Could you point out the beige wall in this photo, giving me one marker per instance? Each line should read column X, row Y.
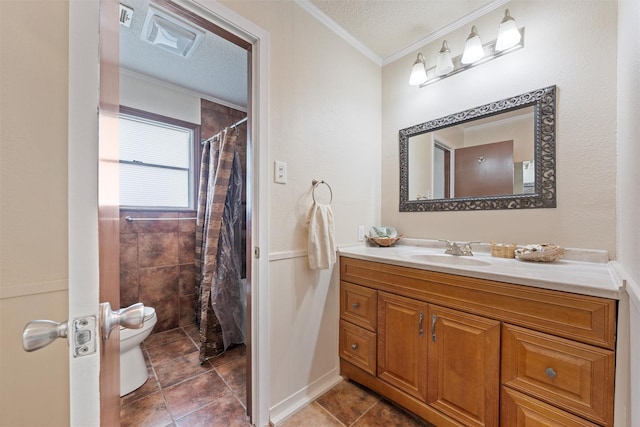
column 324, row 122
column 571, row 44
column 33, row 213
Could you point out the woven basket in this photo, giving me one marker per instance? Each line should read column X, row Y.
column 503, row 250
column 383, row 241
column 540, row 253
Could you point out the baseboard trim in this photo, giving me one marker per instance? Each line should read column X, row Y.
column 297, row 401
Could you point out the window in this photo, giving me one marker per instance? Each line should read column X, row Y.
column 157, row 169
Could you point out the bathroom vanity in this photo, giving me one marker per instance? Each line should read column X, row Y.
column 480, row 341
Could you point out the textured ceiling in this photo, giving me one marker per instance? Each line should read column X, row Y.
column 218, row 68
column 388, row 26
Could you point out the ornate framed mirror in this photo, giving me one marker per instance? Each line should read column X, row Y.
column 500, row 155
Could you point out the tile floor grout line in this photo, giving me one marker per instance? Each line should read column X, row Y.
column 200, row 407
column 166, row 405
column 329, row 412
column 183, row 380
column 223, row 379
column 191, row 338
column 378, row 400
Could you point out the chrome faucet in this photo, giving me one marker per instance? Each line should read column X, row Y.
column 458, row 249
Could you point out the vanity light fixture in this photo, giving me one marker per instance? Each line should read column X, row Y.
column 473, row 50
column 510, row 38
column 418, row 71
column 444, row 64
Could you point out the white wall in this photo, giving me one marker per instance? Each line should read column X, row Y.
column 159, row 98
column 568, row 43
column 628, row 201
column 324, row 122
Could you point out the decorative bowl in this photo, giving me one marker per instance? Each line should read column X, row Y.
column 543, row 252
column 383, row 241
column 383, row 232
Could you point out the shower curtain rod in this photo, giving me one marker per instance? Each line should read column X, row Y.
column 236, row 124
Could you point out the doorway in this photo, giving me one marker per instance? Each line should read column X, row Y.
column 169, row 90
column 92, row 26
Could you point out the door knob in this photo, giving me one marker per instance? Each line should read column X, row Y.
column 41, row 333
column 131, row 317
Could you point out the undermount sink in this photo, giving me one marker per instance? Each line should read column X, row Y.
column 448, row 259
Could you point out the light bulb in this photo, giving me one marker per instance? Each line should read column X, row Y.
column 444, row 64
column 473, row 50
column 508, row 34
column 418, row 71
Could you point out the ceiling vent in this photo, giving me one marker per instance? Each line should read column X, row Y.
column 169, row 33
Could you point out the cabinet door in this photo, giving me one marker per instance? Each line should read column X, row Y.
column 464, row 364
column 402, row 343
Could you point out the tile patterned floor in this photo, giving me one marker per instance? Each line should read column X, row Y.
column 181, row 392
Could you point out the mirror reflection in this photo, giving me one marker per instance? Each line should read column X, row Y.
column 486, row 157
column 499, row 155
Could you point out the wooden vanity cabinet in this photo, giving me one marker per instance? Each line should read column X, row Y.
column 461, row 351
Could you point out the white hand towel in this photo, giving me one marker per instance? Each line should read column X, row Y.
column 322, row 247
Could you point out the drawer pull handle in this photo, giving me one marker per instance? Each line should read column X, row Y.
column 551, row 373
column 420, row 323
column 354, row 346
column 434, row 319
column 355, row 305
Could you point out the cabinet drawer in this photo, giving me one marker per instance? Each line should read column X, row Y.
column 574, row 376
column 359, row 305
column 358, row 346
column 519, row 410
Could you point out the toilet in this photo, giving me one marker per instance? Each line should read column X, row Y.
column 133, row 369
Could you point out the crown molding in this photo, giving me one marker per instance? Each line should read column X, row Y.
column 465, row 20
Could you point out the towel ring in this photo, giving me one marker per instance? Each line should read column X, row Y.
column 315, row 184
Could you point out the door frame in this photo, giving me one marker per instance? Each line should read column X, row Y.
column 84, row 98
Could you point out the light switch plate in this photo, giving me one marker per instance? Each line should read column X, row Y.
column 280, row 172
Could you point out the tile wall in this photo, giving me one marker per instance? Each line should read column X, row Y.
column 157, row 265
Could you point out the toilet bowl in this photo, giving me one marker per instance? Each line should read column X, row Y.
column 133, row 369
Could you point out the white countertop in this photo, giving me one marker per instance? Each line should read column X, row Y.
column 587, row 272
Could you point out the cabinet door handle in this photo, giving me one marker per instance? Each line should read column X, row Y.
column 354, row 346
column 551, row 373
column 434, row 319
column 355, row 305
column 420, row 323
